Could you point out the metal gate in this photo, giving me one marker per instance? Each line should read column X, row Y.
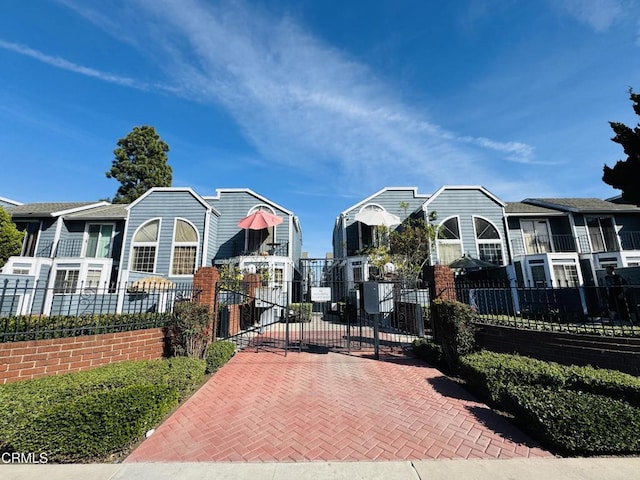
column 319, row 311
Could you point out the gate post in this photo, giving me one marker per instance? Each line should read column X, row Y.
column 205, row 282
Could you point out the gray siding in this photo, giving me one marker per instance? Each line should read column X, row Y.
column 166, row 206
column 234, row 206
column 391, row 201
column 467, row 204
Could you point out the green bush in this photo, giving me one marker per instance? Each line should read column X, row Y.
column 429, row 351
column 300, row 312
column 454, row 329
column 490, row 373
column 191, row 329
column 91, row 414
column 218, row 354
column 577, row 423
column 21, row 328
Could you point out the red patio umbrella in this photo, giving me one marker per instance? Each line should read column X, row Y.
column 259, row 220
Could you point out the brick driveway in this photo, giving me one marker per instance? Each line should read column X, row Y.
column 264, row 407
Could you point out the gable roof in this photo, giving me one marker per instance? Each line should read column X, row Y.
column 51, row 209
column 9, row 201
column 220, row 191
column 581, row 205
column 526, row 209
column 106, row 212
column 413, row 190
column 188, row 190
column 466, row 187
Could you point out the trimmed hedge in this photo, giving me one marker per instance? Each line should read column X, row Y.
column 21, row 328
column 428, row 351
column 300, row 312
column 575, row 422
column 490, row 373
column 575, row 410
column 219, row 353
column 454, row 328
column 89, row 415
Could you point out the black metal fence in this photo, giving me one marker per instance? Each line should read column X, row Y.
column 29, row 311
column 311, row 316
column 583, row 309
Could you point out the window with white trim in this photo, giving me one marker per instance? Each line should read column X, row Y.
column 66, row 281
column 144, row 247
column 566, row 275
column 185, row 248
column 99, row 240
column 449, row 241
column 488, row 240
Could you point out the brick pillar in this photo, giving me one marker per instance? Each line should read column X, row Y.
column 441, row 282
column 205, row 281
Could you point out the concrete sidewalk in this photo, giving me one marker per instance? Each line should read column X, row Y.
column 511, row 469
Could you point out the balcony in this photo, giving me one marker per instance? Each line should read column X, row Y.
column 280, row 249
column 592, row 243
column 70, row 248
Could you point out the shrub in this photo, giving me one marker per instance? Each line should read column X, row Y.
column 96, row 424
column 300, row 312
column 218, row 354
column 454, row 329
column 191, row 329
column 83, row 415
column 576, row 422
column 429, row 351
column 489, row 373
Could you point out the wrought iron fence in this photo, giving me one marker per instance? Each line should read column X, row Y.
column 320, row 314
column 30, row 311
column 579, row 309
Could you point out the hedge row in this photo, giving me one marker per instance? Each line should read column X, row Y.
column 92, row 414
column 491, row 372
column 21, row 328
column 218, row 354
column 574, row 410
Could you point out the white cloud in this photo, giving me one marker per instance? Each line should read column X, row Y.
column 297, row 99
column 599, row 14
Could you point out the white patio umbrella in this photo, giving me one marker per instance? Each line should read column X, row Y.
column 373, row 217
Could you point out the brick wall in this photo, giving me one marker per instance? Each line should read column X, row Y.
column 617, row 353
column 31, row 359
column 441, row 282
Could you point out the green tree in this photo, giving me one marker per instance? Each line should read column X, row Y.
column 625, row 174
column 10, row 237
column 408, row 248
column 140, row 163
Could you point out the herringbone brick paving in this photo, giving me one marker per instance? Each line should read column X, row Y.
column 265, row 407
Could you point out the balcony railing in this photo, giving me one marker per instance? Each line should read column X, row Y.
column 63, row 249
column 280, row 249
column 593, row 243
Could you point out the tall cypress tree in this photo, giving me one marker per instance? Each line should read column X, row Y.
column 140, row 163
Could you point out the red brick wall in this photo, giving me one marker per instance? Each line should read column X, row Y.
column 31, row 359
column 441, row 282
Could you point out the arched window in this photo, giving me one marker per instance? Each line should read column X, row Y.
column 185, row 248
column 488, row 240
column 144, row 247
column 449, row 241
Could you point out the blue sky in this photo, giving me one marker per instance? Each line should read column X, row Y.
column 318, row 104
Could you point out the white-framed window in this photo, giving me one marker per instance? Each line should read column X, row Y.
column 66, row 280
column 98, row 240
column 488, row 241
column 94, row 276
column 144, row 247
column 602, row 234
column 536, row 236
column 566, row 275
column 185, row 248
column 278, row 276
column 449, row 241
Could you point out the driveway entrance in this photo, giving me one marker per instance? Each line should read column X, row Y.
column 268, row 407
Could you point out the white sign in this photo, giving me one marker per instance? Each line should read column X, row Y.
column 320, row 294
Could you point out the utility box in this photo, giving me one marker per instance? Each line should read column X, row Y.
column 377, row 297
